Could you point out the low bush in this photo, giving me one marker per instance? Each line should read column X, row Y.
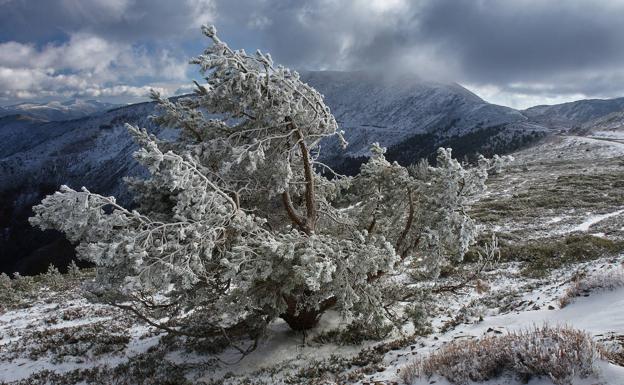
column 23, row 291
column 540, row 256
column 584, row 284
column 559, row 353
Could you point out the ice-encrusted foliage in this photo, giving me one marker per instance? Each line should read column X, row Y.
column 235, row 226
column 421, row 210
column 266, row 114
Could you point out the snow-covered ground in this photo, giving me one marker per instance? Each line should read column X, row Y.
column 564, row 185
column 593, row 219
column 615, row 135
column 561, row 191
column 601, row 314
column 281, row 353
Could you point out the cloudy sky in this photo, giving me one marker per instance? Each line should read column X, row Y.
column 512, row 52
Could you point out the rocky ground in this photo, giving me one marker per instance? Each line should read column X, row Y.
column 558, row 212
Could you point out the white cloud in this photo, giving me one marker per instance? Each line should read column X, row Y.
column 86, row 65
column 108, row 47
column 382, row 6
column 258, row 22
column 521, row 100
column 202, row 12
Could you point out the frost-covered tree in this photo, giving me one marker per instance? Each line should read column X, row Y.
column 236, row 226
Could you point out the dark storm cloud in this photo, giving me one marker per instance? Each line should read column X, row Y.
column 535, row 47
column 520, row 40
column 320, row 33
column 128, row 20
column 484, row 35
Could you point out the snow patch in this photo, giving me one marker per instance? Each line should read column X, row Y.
column 592, row 220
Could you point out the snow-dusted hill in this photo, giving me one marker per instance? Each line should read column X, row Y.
column 413, row 117
column 57, row 111
column 36, row 157
column 389, row 110
column 611, row 126
column 409, row 116
column 93, row 151
column 18, row 132
column 574, row 114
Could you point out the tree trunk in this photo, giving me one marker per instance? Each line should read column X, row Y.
column 308, row 223
column 306, row 318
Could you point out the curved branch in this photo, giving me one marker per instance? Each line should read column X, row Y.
column 408, row 225
column 292, row 213
column 310, row 198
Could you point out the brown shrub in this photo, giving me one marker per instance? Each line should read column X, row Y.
column 559, row 353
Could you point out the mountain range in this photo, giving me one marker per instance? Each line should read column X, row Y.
column 85, row 143
column 574, row 115
column 55, row 110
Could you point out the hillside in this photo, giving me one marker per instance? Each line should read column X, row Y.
column 391, row 110
column 36, row 158
column 409, row 116
column 573, row 115
column 412, row 118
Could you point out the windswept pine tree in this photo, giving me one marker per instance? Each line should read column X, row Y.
column 239, row 224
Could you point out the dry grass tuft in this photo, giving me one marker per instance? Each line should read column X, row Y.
column 584, row 284
column 559, row 353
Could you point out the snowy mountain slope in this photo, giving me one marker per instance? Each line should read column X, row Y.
column 35, row 159
column 371, row 108
column 563, row 184
column 389, row 112
column 75, row 151
column 609, row 127
column 574, row 114
column 57, row 111
column 17, row 133
column 409, row 116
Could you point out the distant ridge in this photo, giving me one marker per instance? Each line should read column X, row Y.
column 572, row 115
column 57, row 111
